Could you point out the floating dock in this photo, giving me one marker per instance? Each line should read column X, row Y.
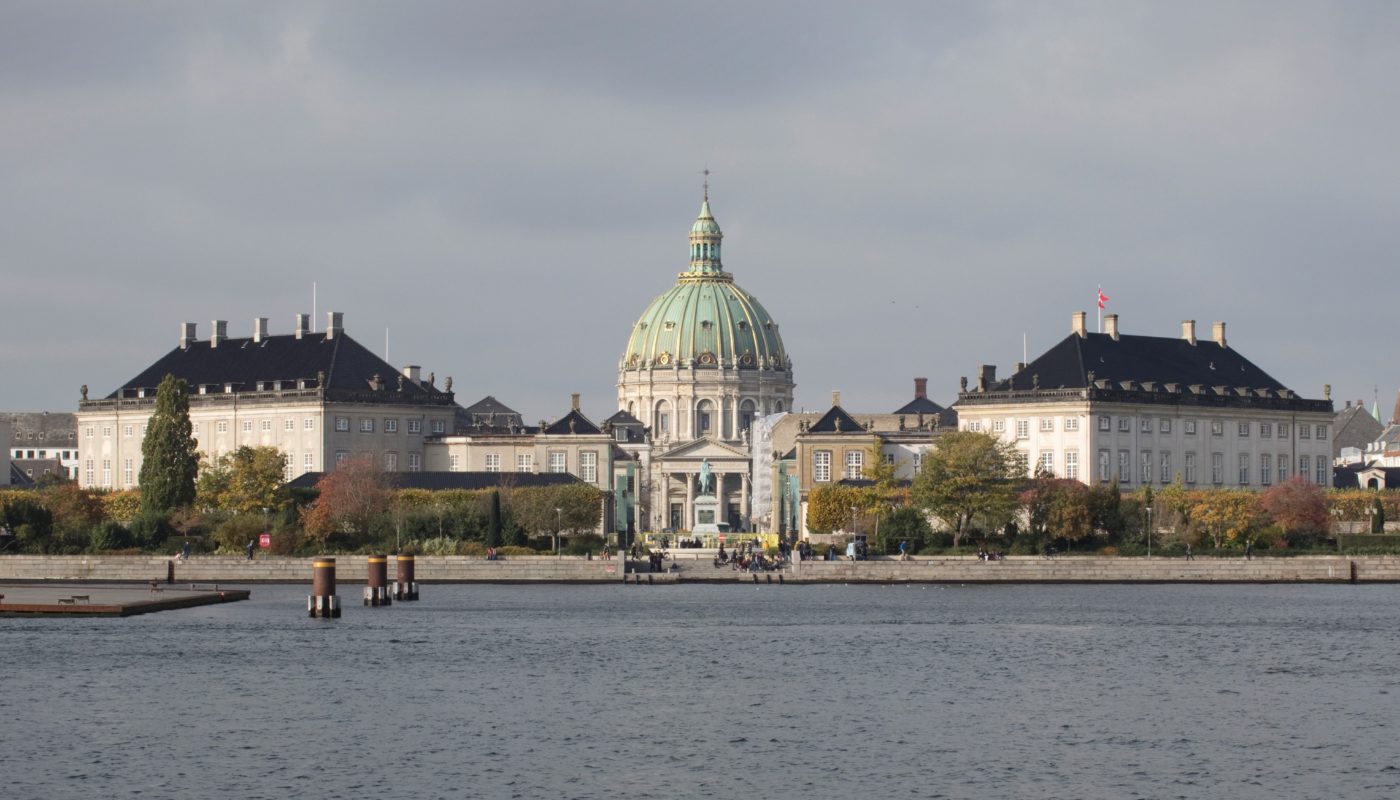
column 89, row 600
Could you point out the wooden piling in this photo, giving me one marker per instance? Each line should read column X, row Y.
column 377, row 581
column 404, row 586
column 323, row 601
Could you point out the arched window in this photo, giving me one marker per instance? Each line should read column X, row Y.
column 662, row 421
column 704, row 418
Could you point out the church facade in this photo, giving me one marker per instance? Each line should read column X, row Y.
column 702, row 363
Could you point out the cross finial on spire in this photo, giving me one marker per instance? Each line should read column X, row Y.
column 706, row 173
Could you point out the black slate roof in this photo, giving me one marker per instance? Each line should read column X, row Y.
column 490, row 405
column 439, row 481
column 347, row 365
column 836, row 420
column 1354, row 427
column 920, row 405
column 580, row 425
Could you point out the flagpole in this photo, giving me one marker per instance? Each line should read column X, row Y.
column 1099, row 303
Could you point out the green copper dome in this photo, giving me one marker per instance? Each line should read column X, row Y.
column 705, row 320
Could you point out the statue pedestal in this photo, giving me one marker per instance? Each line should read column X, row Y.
column 706, row 514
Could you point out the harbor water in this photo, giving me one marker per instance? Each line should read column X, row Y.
column 729, row 691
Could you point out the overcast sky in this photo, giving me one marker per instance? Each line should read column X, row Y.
column 907, row 188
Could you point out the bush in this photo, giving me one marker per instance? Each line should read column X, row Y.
column 149, row 531
column 582, row 544
column 513, row 550
column 233, row 534
column 438, row 546
column 109, row 536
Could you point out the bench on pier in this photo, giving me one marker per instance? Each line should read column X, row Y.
column 67, row 601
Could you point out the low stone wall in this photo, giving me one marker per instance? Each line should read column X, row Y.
column 548, row 569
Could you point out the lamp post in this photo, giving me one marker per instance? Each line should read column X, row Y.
column 558, row 523
column 267, row 530
column 1149, row 531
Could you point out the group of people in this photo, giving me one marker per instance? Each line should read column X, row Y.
column 748, row 558
column 983, row 554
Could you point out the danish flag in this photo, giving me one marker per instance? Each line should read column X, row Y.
column 1103, row 298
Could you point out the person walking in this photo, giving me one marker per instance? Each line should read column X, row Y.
column 1248, row 549
column 1189, row 557
column 249, row 549
column 185, row 551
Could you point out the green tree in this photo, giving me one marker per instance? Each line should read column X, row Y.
column 829, row 508
column 169, row 459
column 493, row 521
column 1058, row 508
column 1227, row 515
column 245, row 481
column 967, row 477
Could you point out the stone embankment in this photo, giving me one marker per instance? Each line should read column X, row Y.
column 548, row 569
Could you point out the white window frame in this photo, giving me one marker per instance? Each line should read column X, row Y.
column 1188, row 467
column 1046, row 462
column 493, row 462
column 1072, row 463
column 1105, row 422
column 391, row 425
column 1023, row 429
column 367, row 425
column 415, row 426
column 558, row 462
column 1047, row 424
column 524, row 462
column 342, row 424
column 821, row 466
column 855, row 465
column 588, row 466
column 1071, row 424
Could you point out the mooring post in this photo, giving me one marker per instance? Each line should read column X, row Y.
column 377, row 581
column 323, row 601
column 404, row 587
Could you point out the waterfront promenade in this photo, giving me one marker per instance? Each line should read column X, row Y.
column 694, row 567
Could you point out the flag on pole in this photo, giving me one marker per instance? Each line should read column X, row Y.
column 1103, row 298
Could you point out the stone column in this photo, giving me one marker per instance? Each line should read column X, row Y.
column 722, row 509
column 744, row 498
column 734, row 432
column 689, row 513
column 665, row 499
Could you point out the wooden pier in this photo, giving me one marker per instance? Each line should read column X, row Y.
column 89, row 600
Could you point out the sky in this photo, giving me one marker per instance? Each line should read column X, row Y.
column 910, row 189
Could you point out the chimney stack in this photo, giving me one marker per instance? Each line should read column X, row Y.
column 920, row 388
column 411, row 372
column 335, row 324
column 1077, row 324
column 1188, row 331
column 987, row 377
column 301, row 326
column 259, row 329
column 573, row 401
column 836, row 398
column 1217, row 332
column 220, row 332
column 1110, row 326
column 187, row 335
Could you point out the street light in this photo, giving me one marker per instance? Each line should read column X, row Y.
column 558, row 523
column 1149, row 531
column 266, row 529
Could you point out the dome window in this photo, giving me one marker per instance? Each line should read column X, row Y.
column 670, row 325
column 743, row 325
column 705, row 324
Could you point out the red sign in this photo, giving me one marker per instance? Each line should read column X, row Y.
column 265, row 541
column 721, row 537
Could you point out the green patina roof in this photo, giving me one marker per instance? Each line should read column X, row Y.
column 705, row 318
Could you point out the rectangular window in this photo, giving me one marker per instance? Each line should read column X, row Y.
column 1164, row 425
column 342, row 423
column 1023, row 428
column 87, row 469
column 391, row 462
column 1047, row 462
column 588, row 466
column 308, row 460
column 1266, row 430
column 267, row 425
column 415, row 462
column 1145, row 425
column 1283, row 430
column 366, row 425
column 1283, row 467
column 127, row 430
column 340, row 456
column 1164, row 464
column 439, row 426
column 855, row 463
column 1217, row 467
column 415, row 426
column 1072, row 464
column 1188, row 465
column 87, row 432
column 1304, row 466
column 1190, row 428
column 1244, row 430
column 1125, row 467
column 620, row 434
column 223, row 426
column 557, row 462
column 128, row 475
column 391, row 426
column 889, row 458
column 821, row 466
column 1071, row 423
column 309, row 424
column 1105, row 423
column 1304, row 432
column 1217, row 428
column 454, row 462
column 918, row 463
column 289, row 424
column 1321, row 432
column 1047, row 424
column 1125, row 425
column 1266, row 467
column 106, row 431
column 1145, row 466
column 1244, row 469
column 493, row 462
column 663, row 422
column 247, row 426
column 525, row 462
column 975, row 425
column 1105, row 466
column 703, row 417
column 1321, row 471
column 106, row 472
column 998, row 426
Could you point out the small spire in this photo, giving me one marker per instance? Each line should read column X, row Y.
column 706, row 173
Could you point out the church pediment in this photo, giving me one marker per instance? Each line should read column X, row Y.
column 706, row 448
